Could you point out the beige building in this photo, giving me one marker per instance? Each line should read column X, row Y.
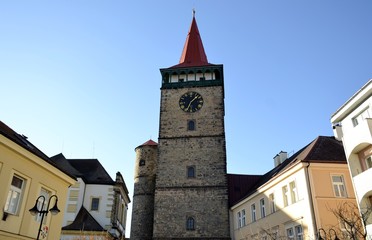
column 25, row 174
column 352, row 124
column 294, row 200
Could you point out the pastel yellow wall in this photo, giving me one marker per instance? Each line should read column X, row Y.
column 323, row 194
column 38, row 174
column 312, row 210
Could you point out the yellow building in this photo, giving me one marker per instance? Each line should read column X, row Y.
column 26, row 174
column 294, row 200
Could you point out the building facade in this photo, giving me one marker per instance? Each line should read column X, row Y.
column 296, row 199
column 352, row 123
column 26, row 174
column 190, row 199
column 96, row 206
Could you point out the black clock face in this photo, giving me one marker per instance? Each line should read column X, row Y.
column 191, row 102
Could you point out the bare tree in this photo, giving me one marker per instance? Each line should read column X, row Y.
column 352, row 221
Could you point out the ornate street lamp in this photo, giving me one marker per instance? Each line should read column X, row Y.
column 319, row 235
column 334, row 232
column 54, row 210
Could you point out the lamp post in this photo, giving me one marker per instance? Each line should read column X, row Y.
column 334, row 233
column 319, row 235
column 54, row 210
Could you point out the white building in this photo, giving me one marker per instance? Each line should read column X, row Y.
column 352, row 124
column 96, row 205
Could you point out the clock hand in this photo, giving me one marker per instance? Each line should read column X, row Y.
column 191, row 102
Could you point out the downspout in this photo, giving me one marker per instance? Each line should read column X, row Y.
column 315, row 225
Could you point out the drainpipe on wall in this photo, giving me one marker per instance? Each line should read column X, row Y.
column 315, row 225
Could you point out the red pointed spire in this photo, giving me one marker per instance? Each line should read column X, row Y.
column 193, row 53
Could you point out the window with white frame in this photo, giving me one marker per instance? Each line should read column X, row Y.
column 241, row 218
column 285, row 195
column 339, row 186
column 293, row 189
column 360, row 117
column 13, row 199
column 94, row 204
column 272, row 202
column 299, row 232
column 262, row 208
column 295, row 233
column 42, row 204
column 253, row 212
column 290, row 234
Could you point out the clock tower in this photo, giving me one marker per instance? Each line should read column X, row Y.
column 191, row 200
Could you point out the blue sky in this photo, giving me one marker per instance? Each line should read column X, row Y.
column 82, row 77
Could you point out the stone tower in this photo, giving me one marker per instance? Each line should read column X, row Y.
column 191, row 200
column 144, row 188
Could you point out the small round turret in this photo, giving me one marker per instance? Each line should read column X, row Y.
column 144, row 190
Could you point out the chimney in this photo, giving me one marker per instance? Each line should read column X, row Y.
column 337, row 131
column 279, row 158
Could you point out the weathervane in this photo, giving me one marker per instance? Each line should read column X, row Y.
column 193, row 12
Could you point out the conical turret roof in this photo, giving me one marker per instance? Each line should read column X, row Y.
column 193, row 53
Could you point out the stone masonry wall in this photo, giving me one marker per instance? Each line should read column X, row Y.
column 203, row 197
column 143, row 193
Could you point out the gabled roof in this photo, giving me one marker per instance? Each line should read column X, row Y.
column 239, row 185
column 23, row 141
column 90, row 170
column 84, row 222
column 321, row 150
column 64, row 164
column 193, row 53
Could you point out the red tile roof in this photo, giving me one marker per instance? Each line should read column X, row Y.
column 148, row 143
column 193, row 53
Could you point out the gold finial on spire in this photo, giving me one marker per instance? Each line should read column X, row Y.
column 193, row 12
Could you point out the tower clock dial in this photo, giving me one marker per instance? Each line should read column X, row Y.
column 191, row 102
